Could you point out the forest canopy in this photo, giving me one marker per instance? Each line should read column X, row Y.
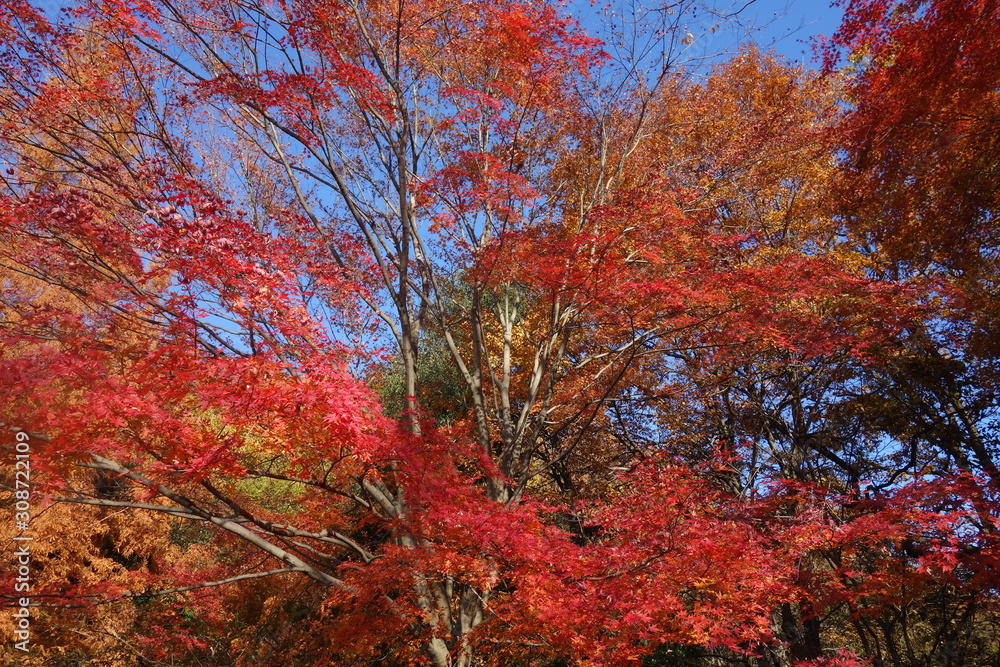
column 457, row 333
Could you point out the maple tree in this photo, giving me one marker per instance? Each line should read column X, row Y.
column 921, row 142
column 473, row 360
column 925, row 98
column 918, row 184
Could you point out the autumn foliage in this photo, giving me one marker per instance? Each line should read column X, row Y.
column 385, row 333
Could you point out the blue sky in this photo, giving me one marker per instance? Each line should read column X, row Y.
column 787, row 26
column 793, row 24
